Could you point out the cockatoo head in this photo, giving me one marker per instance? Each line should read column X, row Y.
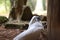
column 34, row 19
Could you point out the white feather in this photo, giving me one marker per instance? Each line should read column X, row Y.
column 33, row 31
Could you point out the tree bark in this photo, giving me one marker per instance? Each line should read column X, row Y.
column 16, row 8
column 53, row 19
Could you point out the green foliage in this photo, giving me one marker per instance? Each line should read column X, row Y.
column 32, row 4
column 3, row 19
column 8, row 2
column 4, row 6
column 1, row 1
column 44, row 6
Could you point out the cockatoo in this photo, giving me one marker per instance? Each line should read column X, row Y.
column 33, row 31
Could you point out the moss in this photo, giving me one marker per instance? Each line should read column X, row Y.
column 3, row 19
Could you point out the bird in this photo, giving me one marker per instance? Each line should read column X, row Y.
column 33, row 31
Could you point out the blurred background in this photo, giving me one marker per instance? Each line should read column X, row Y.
column 11, row 13
column 5, row 7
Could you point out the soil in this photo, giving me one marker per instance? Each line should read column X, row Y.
column 8, row 34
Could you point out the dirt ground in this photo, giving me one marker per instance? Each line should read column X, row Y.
column 8, row 34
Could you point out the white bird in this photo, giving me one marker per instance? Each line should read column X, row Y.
column 33, row 31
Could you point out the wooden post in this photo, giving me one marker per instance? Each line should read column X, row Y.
column 53, row 19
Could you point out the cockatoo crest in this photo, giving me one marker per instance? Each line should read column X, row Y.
column 34, row 19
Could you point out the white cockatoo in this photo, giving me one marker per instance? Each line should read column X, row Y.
column 33, row 31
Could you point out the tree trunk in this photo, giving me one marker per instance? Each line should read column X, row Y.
column 16, row 8
column 53, row 20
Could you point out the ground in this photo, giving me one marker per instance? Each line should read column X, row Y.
column 8, row 34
